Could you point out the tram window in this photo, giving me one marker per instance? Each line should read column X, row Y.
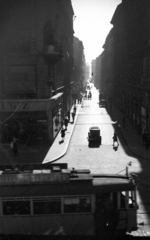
column 103, row 202
column 123, row 200
column 16, row 207
column 77, row 204
column 131, row 199
column 47, row 206
column 115, row 200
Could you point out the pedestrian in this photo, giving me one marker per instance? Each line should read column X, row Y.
column 116, row 145
column 14, row 146
column 85, row 95
column 90, row 95
column 75, row 109
column 80, row 99
column 66, row 121
column 73, row 116
column 115, row 139
column 62, row 134
column 68, row 115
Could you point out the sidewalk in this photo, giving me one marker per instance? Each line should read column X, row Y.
column 131, row 136
column 36, row 153
column 59, row 148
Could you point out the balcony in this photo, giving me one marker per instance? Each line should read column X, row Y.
column 53, row 53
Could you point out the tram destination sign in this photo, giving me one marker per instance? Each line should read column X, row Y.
column 28, row 178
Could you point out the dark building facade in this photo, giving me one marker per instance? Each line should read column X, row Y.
column 126, row 62
column 87, row 71
column 131, row 85
column 103, row 70
column 36, row 64
column 79, row 67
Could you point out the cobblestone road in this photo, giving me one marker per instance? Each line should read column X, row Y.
column 104, row 159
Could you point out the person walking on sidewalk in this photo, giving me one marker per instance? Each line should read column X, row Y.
column 62, row 134
column 75, row 109
column 80, row 99
column 89, row 95
column 85, row 94
column 68, row 115
column 73, row 116
column 66, row 121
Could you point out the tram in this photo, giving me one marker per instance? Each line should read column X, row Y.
column 50, row 199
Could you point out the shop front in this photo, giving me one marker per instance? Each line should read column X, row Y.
column 30, row 121
column 55, row 116
column 28, row 128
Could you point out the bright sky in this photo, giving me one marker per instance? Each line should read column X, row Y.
column 92, row 24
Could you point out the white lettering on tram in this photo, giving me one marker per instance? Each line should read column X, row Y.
column 34, row 178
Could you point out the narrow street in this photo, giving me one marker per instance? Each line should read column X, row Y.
column 104, row 159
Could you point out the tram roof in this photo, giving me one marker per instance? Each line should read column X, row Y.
column 76, row 180
column 56, row 184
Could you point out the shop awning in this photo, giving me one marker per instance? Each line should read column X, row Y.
column 58, row 95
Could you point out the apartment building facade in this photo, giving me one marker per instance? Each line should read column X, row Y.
column 131, row 47
column 36, row 64
column 79, row 67
column 125, row 62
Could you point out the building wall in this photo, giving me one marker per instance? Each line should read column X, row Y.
column 36, row 60
column 96, row 73
column 131, row 84
column 103, row 68
column 79, row 67
column 87, row 71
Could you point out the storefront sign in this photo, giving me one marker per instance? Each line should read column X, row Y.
column 38, row 105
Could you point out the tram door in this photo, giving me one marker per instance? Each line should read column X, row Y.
column 106, row 214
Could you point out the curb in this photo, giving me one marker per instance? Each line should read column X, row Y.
column 68, row 140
